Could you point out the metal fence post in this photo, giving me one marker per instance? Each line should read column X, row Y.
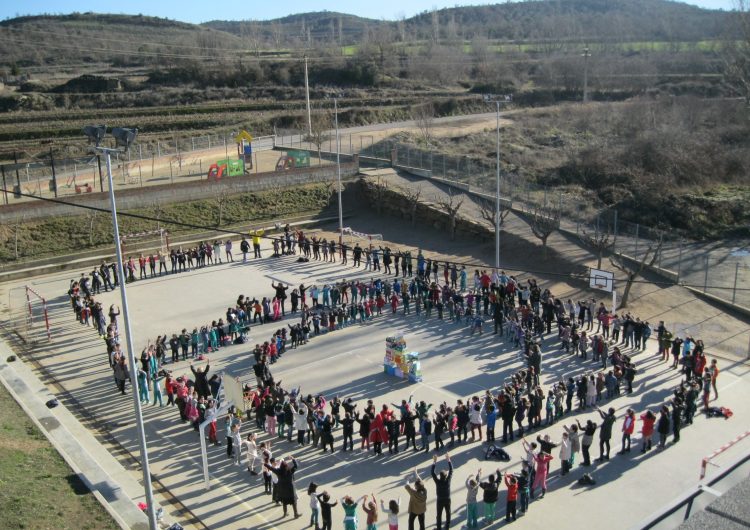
column 736, row 274
column 614, row 239
column 635, row 253
column 661, row 249
column 54, row 173
column 705, row 275
column 679, row 261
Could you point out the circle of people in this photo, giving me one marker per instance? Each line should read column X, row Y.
column 522, row 312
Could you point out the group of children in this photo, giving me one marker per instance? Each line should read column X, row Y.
column 522, row 312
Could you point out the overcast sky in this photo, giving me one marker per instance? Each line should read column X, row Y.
column 201, row 11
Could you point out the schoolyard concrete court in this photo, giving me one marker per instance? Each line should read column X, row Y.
column 349, row 363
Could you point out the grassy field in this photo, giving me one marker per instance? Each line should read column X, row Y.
column 37, row 489
column 63, row 235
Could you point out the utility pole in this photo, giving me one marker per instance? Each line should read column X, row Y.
column 338, row 165
column 586, row 54
column 307, row 97
column 497, row 100
column 497, row 191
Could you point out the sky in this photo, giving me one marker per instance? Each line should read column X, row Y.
column 197, row 11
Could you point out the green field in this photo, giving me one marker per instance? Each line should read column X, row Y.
column 37, row 489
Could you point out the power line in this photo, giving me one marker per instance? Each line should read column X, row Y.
column 477, row 265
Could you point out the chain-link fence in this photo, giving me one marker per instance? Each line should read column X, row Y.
column 148, row 163
column 719, row 268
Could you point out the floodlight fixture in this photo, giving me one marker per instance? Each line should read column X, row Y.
column 124, row 137
column 95, row 133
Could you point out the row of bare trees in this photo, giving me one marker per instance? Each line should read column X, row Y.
column 543, row 221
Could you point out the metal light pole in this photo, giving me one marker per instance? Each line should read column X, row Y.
column 497, row 193
column 129, row 342
column 338, row 164
column 307, row 97
column 497, row 101
column 586, row 54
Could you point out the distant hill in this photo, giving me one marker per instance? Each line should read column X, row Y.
column 617, row 20
column 123, row 40
column 612, row 20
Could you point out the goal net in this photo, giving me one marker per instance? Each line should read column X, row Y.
column 28, row 317
column 143, row 241
column 352, row 236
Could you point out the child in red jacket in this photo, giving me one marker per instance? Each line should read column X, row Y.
column 512, row 484
column 628, row 426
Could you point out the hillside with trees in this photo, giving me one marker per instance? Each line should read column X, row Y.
column 669, row 86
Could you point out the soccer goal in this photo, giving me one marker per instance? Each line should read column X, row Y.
column 29, row 318
column 352, row 236
column 129, row 242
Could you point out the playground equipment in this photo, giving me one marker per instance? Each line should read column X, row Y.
column 234, row 168
column 226, row 168
column 293, row 159
column 244, row 142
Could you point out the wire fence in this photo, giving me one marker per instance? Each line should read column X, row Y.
column 147, row 163
column 718, row 268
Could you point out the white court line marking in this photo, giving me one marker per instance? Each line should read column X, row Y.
column 730, row 385
column 277, row 279
column 300, row 366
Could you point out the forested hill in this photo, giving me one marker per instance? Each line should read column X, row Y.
column 124, row 40
column 621, row 20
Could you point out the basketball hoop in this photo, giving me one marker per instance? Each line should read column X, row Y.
column 602, row 280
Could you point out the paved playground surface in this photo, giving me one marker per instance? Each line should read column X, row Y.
column 349, row 363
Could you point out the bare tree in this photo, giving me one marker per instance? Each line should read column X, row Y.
column 487, row 210
column 451, row 206
column 330, row 187
column 543, row 221
column 412, row 196
column 17, row 226
column 379, row 190
column 320, row 123
column 91, row 216
column 158, row 212
column 277, row 34
column 600, row 240
column 737, row 52
column 221, row 196
column 633, row 271
column 424, row 118
column 252, row 31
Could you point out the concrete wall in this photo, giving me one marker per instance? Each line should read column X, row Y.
column 130, row 198
column 395, row 204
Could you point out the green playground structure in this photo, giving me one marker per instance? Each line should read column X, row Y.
column 226, row 168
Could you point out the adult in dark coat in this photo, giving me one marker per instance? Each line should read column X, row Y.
column 285, row 490
column 201, row 381
column 443, row 492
